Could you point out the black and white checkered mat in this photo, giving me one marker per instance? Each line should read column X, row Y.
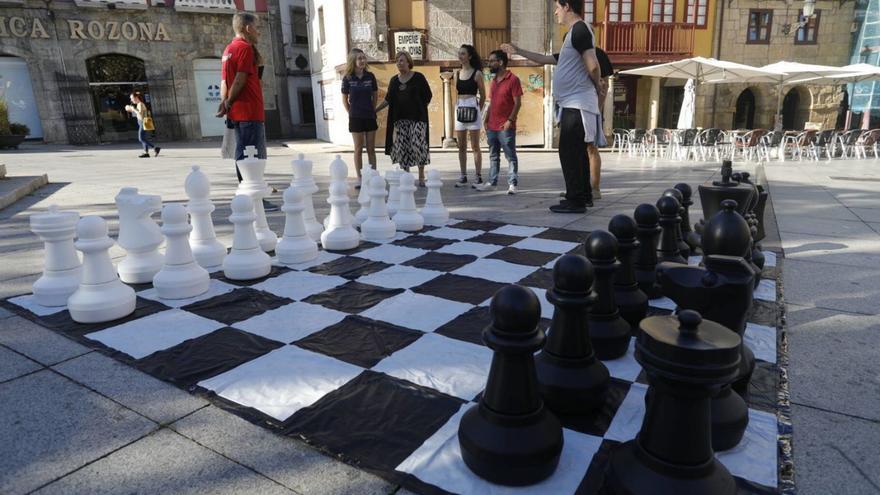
column 373, row 355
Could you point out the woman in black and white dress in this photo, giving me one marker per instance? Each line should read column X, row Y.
column 406, row 135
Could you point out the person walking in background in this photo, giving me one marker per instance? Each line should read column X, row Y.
column 504, row 104
column 468, row 122
column 359, row 91
column 606, row 70
column 407, row 99
column 145, row 123
column 575, row 81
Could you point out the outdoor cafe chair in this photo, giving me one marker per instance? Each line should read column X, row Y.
column 707, row 143
column 747, row 143
column 620, row 140
column 848, row 141
column 637, row 142
column 797, row 144
column 769, row 142
column 823, row 144
column 686, row 144
column 661, row 140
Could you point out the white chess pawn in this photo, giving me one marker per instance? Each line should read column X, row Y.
column 393, row 178
column 207, row 250
column 407, row 218
column 101, row 296
column 247, row 260
column 434, row 212
column 181, row 277
column 253, row 184
column 139, row 236
column 62, row 270
column 338, row 169
column 377, row 226
column 305, row 184
column 296, row 246
column 339, row 235
column 364, row 196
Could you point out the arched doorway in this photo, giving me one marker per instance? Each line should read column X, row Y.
column 744, row 117
column 795, row 108
column 111, row 79
column 15, row 79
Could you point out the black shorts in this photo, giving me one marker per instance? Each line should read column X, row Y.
column 362, row 125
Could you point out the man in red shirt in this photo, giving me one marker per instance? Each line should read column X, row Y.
column 506, row 94
column 240, row 91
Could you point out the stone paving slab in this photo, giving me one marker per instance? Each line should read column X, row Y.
column 852, row 251
column 854, row 289
column 14, row 365
column 285, row 460
column 52, row 426
column 846, row 229
column 164, row 462
column 159, row 401
column 14, row 188
column 38, row 343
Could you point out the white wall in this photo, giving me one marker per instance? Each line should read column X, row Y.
column 291, row 51
column 335, row 53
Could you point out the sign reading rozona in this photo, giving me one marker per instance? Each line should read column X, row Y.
column 25, row 27
column 410, row 42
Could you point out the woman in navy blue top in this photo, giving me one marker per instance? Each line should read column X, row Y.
column 359, row 89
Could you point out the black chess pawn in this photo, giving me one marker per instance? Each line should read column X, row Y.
column 609, row 332
column 510, row 437
column 683, row 247
column 632, row 302
column 690, row 237
column 669, row 220
column 686, row 359
column 648, row 230
column 571, row 378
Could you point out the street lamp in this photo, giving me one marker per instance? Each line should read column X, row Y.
column 807, row 12
column 809, row 8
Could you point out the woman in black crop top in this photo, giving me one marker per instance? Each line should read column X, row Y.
column 471, row 93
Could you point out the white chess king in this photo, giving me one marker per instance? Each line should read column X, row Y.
column 305, row 184
column 253, row 184
column 207, row 250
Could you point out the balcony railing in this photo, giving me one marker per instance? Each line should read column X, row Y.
column 209, row 6
column 645, row 42
column 119, row 4
column 487, row 40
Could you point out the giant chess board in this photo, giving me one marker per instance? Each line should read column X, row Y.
column 373, row 355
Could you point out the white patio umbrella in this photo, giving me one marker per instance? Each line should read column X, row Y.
column 688, row 106
column 706, row 70
column 797, row 73
column 855, row 73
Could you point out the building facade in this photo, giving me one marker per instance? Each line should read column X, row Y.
column 67, row 66
column 295, row 42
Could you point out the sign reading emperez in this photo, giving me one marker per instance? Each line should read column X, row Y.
column 410, row 42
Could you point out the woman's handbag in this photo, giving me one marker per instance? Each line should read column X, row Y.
column 466, row 115
column 149, row 125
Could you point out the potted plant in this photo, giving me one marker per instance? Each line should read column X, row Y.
column 11, row 133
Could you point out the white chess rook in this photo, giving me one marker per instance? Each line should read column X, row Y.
column 101, row 296
column 364, row 197
column 246, row 261
column 407, row 218
column 62, row 269
column 339, row 235
column 253, row 184
column 139, row 236
column 181, row 277
column 296, row 246
column 207, row 250
column 434, row 212
column 305, row 184
column 377, row 226
column 393, row 178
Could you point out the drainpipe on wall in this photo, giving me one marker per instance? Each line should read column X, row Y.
column 716, row 53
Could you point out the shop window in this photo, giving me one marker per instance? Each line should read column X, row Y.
column 697, row 12
column 406, row 14
column 590, row 11
column 760, row 23
column 807, row 35
column 662, row 10
column 619, row 10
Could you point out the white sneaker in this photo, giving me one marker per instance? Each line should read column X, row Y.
column 511, row 189
column 485, row 186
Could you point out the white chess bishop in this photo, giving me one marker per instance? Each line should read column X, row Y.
column 181, row 277
column 247, row 260
column 305, row 184
column 434, row 213
column 407, row 218
column 296, row 246
column 253, row 184
column 101, row 296
column 364, row 196
column 378, row 227
column 340, row 235
column 207, row 250
column 62, row 268
column 139, row 236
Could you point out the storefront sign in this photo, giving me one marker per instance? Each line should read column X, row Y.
column 20, row 27
column 25, row 27
column 411, row 42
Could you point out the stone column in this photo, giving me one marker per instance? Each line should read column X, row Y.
column 655, row 103
column 608, row 109
column 448, row 112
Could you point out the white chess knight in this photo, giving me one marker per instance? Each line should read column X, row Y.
column 434, row 212
column 62, row 268
column 139, row 236
column 340, row 234
column 296, row 246
column 364, row 197
column 247, row 260
column 377, row 226
column 207, row 250
column 407, row 218
column 305, row 184
column 181, row 277
column 254, row 185
column 393, row 178
column 101, row 296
